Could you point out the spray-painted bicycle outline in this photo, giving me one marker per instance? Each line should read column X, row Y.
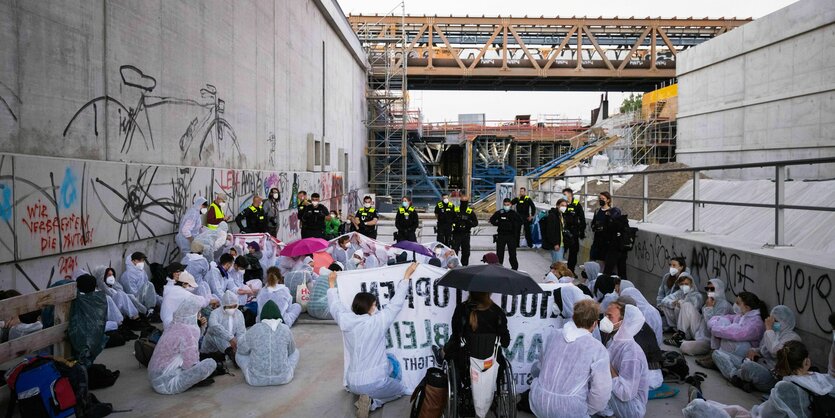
column 211, row 124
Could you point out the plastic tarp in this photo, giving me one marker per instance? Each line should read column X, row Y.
column 808, row 230
column 88, row 315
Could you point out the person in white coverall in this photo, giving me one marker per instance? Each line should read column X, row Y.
column 276, row 291
column 716, row 304
column 190, row 224
column 364, row 329
column 630, row 372
column 135, row 282
column 225, row 329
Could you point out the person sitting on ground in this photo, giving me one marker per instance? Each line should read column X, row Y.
column 278, row 293
column 235, row 279
column 114, row 315
column 7, row 323
column 175, row 365
column 181, row 288
column 755, row 370
column 490, row 258
column 649, row 344
column 343, row 249
column 651, row 314
column 28, row 323
column 589, row 271
column 619, row 284
column 317, row 307
column 790, row 398
column 364, row 330
column 678, row 267
column 135, row 282
column 224, row 331
column 254, row 270
column 715, row 304
column 629, row 369
column 195, row 262
column 575, row 379
column 558, row 271
column 267, row 354
column 564, row 300
column 114, row 292
column 682, row 310
column 357, row 261
column 219, row 274
column 88, row 318
column 735, row 334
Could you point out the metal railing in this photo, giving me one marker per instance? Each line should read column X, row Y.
column 779, row 206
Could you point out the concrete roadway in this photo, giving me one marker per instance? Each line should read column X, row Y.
column 316, row 390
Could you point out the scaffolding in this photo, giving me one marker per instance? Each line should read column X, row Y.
column 648, row 136
column 388, row 116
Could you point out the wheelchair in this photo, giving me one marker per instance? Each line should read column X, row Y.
column 459, row 400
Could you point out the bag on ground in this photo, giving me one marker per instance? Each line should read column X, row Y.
column 430, row 396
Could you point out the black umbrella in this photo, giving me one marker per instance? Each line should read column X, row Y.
column 492, row 278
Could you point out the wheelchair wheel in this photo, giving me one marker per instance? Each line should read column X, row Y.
column 453, row 381
column 504, row 401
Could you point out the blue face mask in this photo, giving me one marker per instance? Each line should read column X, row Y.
column 405, row 204
column 505, row 208
column 776, row 327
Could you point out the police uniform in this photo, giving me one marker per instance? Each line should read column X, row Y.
column 367, row 215
column 508, row 224
column 444, row 213
column 313, row 220
column 406, row 223
column 256, row 220
column 463, row 220
column 575, row 224
column 525, row 208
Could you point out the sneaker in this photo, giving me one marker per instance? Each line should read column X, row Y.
column 693, row 393
column 675, row 340
column 706, row 362
column 363, row 405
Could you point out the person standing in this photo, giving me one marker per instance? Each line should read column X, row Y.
column 365, row 221
column 271, row 210
column 508, row 224
column 313, row 218
column 191, row 224
column 575, row 225
column 332, row 224
column 256, row 219
column 215, row 215
column 526, row 210
column 553, row 237
column 444, row 211
column 608, row 227
column 406, row 221
column 463, row 220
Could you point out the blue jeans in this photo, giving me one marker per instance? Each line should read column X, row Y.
column 558, row 255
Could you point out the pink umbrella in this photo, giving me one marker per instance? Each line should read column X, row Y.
column 321, row 259
column 304, row 246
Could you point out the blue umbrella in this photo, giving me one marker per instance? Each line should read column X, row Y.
column 414, row 247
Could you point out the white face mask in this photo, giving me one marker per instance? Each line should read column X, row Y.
column 275, row 196
column 673, row 271
column 737, row 309
column 229, row 311
column 551, row 277
column 606, row 326
column 140, row 265
column 446, row 201
column 684, row 288
column 110, row 280
column 563, row 209
column 439, row 252
column 315, row 203
column 367, row 205
column 711, row 295
column 203, row 211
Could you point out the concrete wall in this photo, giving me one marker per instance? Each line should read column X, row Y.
column 762, row 92
column 114, row 115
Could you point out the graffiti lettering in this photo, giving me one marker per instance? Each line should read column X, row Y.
column 805, row 292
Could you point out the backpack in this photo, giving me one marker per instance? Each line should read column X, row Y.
column 674, row 366
column 822, row 406
column 430, row 396
column 40, row 389
column 143, row 349
column 626, row 234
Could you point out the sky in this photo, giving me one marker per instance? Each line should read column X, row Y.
column 439, row 106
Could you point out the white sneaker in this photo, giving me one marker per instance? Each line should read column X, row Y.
column 363, row 405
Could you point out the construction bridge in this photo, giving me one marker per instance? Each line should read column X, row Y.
column 407, row 157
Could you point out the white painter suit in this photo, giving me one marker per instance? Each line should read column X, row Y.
column 122, row 300
column 651, row 314
column 574, row 380
column 175, row 365
column 172, row 297
column 135, row 282
column 267, row 354
column 279, row 294
column 569, row 295
column 788, row 399
column 631, row 387
column 190, row 225
column 365, row 347
column 223, row 326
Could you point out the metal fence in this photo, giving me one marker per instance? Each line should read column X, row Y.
column 779, row 206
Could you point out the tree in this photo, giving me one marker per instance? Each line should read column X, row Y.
column 631, row 103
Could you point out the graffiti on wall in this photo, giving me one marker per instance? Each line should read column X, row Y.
column 805, row 289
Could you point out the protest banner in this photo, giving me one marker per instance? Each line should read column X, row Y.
column 425, row 318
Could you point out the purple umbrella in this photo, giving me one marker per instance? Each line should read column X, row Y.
column 304, row 246
column 414, row 247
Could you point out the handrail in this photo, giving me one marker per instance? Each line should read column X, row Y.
column 779, row 204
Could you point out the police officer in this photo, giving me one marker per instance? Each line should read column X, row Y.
column 508, row 224
column 575, row 225
column 256, row 219
column 463, row 220
column 365, row 221
column 313, row 218
column 444, row 211
column 526, row 210
column 406, row 221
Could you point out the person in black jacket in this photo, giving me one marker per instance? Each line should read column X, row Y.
column 607, row 228
column 508, row 224
column 463, row 221
column 313, row 218
column 444, row 214
column 256, row 219
column 575, row 226
column 406, row 221
column 553, row 235
column 366, row 218
column 479, row 322
column 526, row 210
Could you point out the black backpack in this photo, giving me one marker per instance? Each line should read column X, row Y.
column 674, row 366
column 822, row 406
column 625, row 234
